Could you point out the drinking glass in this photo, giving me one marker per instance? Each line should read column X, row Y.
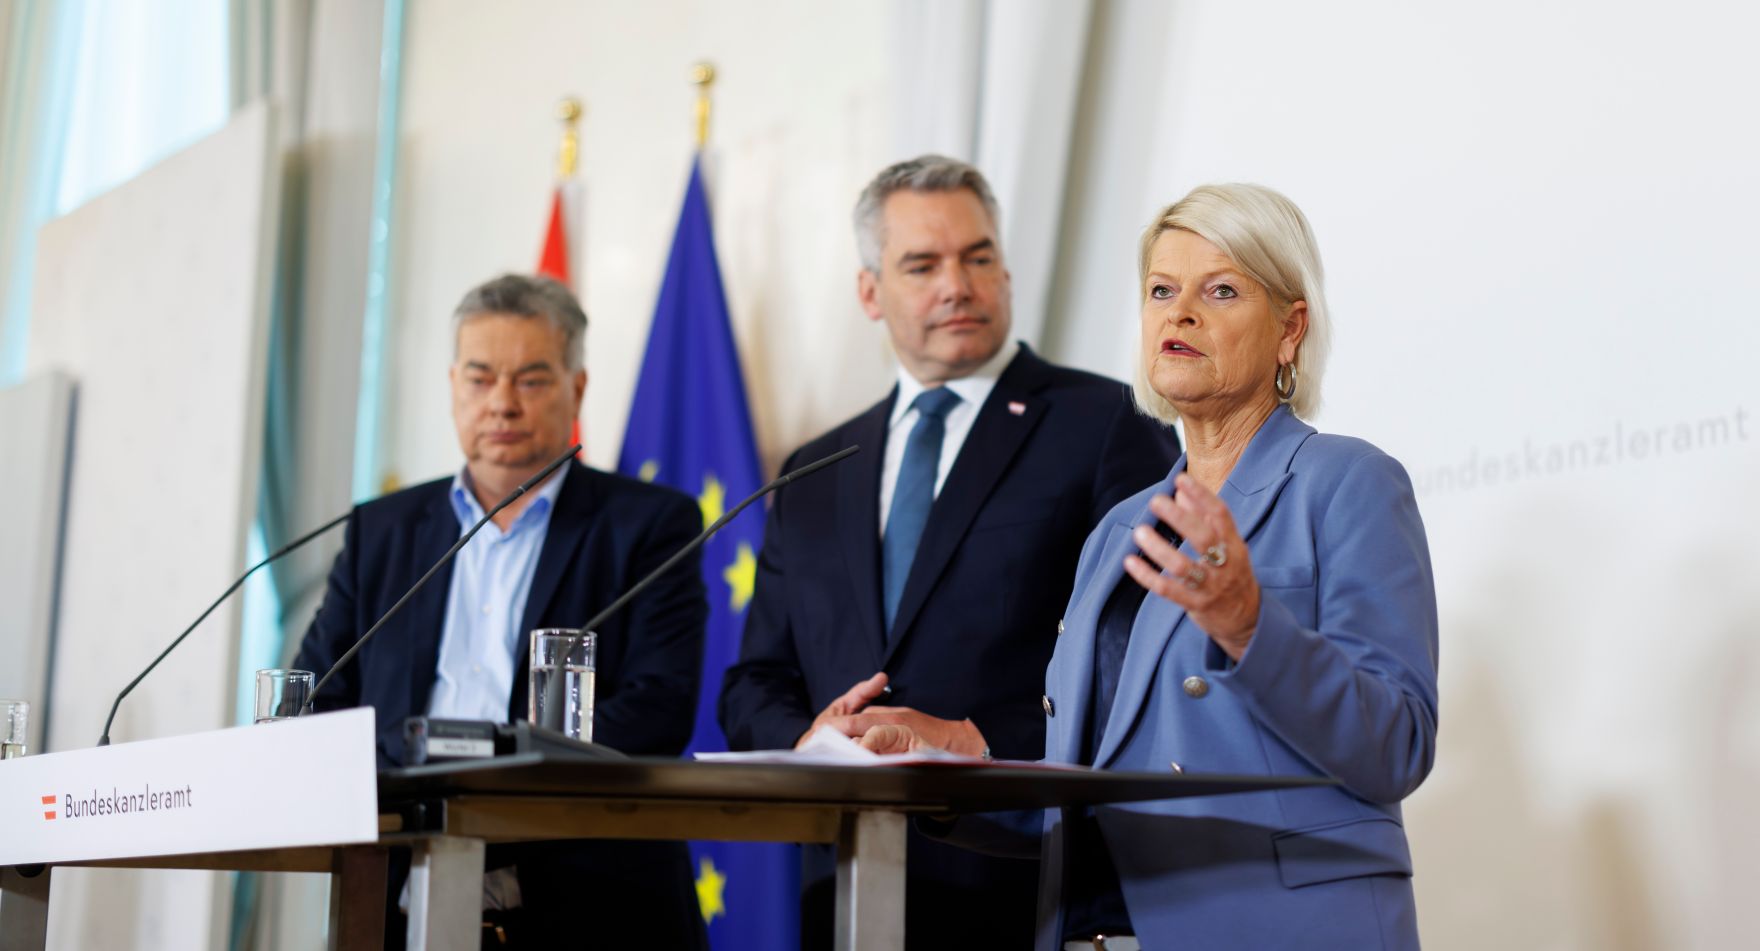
column 577, row 683
column 282, row 693
column 15, row 723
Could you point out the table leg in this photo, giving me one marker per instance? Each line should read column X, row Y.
column 24, row 908
column 357, row 898
column 870, row 882
column 446, row 894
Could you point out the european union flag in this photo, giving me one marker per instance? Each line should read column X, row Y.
column 689, row 428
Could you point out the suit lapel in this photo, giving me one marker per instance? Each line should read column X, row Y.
column 1150, row 632
column 568, row 525
column 1259, row 477
column 423, row 622
column 997, row 436
column 1250, row 493
column 1076, row 687
column 858, row 522
column 562, row 539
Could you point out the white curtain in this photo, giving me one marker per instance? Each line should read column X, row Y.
column 996, row 84
column 1535, row 221
column 318, row 61
column 35, row 78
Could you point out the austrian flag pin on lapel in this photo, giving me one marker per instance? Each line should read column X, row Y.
column 1016, row 407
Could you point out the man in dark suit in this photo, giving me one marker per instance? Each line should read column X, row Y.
column 553, row 558
column 930, row 573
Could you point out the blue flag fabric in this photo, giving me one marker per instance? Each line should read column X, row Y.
column 689, row 428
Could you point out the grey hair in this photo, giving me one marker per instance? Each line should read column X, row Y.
column 925, row 173
column 1268, row 237
column 524, row 295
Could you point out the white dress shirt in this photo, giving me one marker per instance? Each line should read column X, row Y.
column 972, row 391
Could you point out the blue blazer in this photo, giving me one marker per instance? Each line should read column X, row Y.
column 1050, row 451
column 1339, row 681
column 606, row 532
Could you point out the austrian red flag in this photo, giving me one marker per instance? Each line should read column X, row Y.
column 560, row 243
column 553, row 260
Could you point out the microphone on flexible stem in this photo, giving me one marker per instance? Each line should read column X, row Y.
column 285, row 549
column 520, row 490
column 553, row 689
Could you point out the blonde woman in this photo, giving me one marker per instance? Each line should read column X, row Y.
column 1267, row 609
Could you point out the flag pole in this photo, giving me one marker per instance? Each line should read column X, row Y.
column 702, row 77
column 569, row 110
column 564, row 237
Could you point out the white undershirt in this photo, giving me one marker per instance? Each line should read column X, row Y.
column 972, row 391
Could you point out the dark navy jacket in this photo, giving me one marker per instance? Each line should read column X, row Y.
column 606, row 532
column 1051, row 450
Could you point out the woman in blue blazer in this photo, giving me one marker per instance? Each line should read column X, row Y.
column 1267, row 609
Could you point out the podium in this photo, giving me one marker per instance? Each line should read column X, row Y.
column 446, row 814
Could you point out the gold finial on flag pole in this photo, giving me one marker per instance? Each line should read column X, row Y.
column 569, row 111
column 703, row 76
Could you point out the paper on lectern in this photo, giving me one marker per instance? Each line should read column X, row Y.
column 827, row 747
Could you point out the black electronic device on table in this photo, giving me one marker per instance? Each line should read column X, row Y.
column 438, row 739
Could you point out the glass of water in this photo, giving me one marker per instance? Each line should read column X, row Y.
column 577, row 678
column 15, row 724
column 282, row 693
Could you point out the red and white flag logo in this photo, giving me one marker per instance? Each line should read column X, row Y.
column 48, row 813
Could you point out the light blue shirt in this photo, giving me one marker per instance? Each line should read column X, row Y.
column 491, row 580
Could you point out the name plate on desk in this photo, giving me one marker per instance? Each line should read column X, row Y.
column 306, row 781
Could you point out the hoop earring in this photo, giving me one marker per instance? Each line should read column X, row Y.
column 1285, row 391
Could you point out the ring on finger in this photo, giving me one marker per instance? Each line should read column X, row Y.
column 1195, row 576
column 1215, row 556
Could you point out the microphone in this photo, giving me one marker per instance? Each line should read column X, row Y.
column 285, row 549
column 553, row 700
column 518, row 491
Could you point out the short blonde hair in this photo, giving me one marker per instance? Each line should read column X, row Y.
column 1266, row 236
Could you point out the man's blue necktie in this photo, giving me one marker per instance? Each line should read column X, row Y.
column 913, row 494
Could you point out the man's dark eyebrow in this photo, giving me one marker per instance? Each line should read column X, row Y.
column 982, row 244
column 543, row 365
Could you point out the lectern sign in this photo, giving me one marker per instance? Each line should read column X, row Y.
column 306, row 781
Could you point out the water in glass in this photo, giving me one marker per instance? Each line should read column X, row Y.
column 577, row 686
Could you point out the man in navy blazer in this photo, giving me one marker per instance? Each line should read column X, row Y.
column 923, row 582
column 553, row 558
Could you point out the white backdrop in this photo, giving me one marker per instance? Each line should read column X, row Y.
column 1537, row 221
column 1536, row 218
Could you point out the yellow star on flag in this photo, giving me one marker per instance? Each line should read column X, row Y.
column 741, row 577
column 713, row 499
column 649, row 470
column 710, row 885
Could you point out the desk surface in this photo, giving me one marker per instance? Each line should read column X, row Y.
column 926, row 788
column 545, row 796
